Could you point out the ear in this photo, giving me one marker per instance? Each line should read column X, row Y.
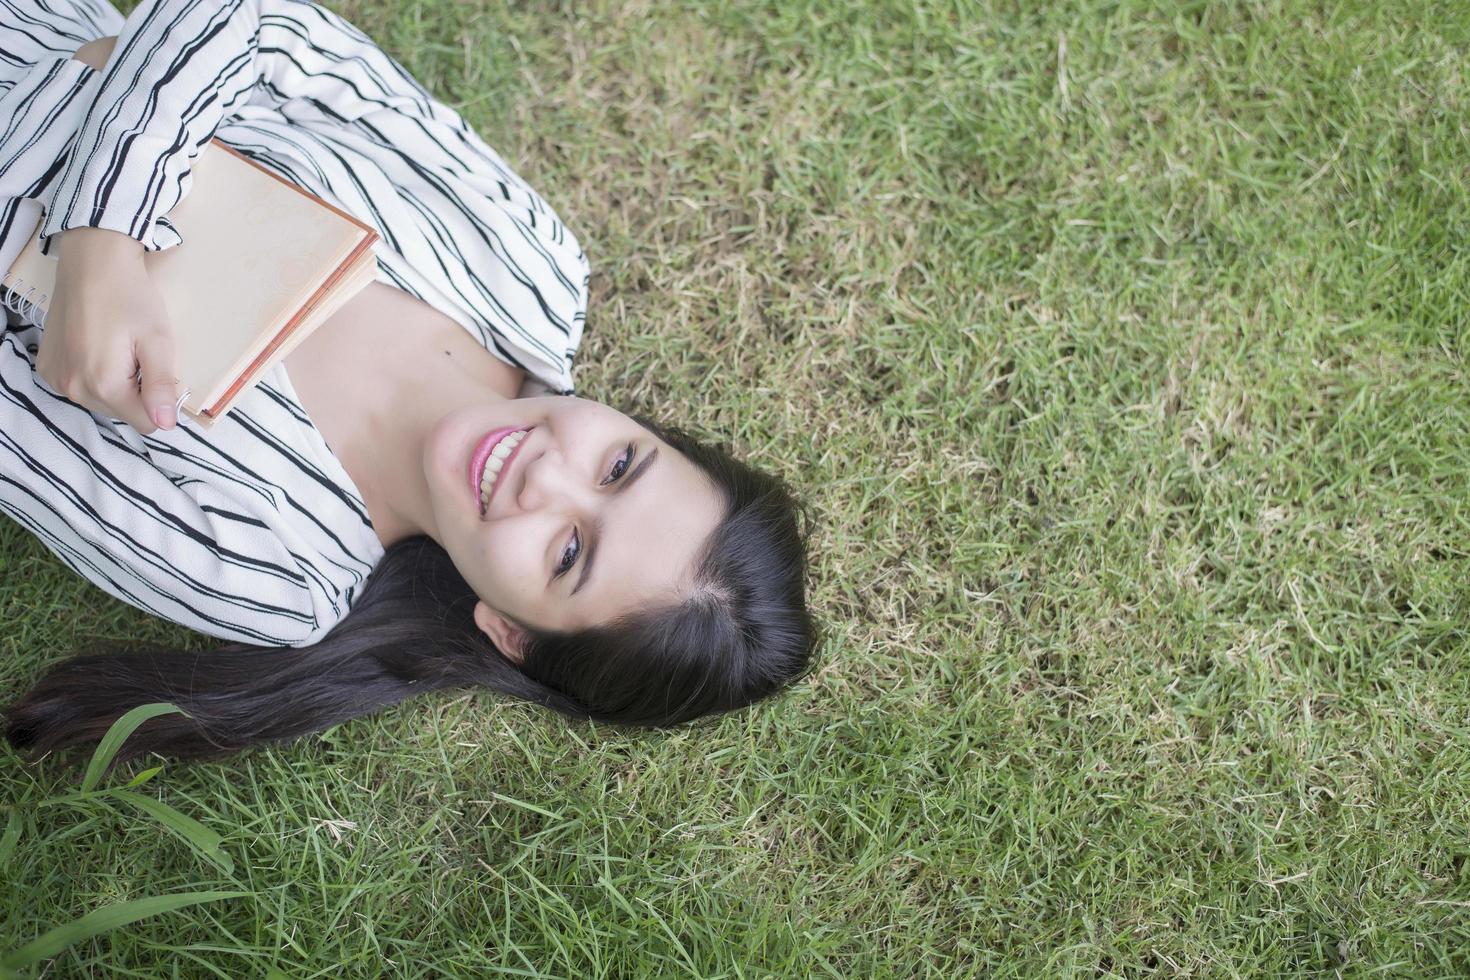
column 507, row 636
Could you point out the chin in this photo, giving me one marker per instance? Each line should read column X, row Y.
column 445, row 455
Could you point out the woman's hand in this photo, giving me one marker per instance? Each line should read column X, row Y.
column 107, row 322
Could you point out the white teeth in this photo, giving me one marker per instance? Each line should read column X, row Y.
column 496, row 462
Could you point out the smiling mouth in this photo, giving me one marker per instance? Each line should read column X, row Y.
column 491, row 459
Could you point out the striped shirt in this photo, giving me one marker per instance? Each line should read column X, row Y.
column 251, row 531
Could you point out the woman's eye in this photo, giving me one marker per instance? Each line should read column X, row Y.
column 569, row 555
column 621, row 466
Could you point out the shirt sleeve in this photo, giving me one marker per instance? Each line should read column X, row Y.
column 312, row 96
column 44, row 95
column 177, row 67
column 177, row 70
column 184, row 550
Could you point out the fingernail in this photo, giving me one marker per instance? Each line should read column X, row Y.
column 164, row 417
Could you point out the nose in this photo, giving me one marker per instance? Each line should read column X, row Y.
column 548, row 483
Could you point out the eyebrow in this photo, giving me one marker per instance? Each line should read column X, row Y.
column 596, row 530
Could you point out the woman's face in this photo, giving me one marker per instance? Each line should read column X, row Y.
column 590, row 515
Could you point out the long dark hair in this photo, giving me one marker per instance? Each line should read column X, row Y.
column 742, row 634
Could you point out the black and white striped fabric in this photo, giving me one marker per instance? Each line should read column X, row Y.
column 252, row 530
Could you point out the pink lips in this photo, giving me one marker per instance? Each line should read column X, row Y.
column 482, row 454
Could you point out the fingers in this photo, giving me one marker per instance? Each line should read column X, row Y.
column 123, row 400
column 158, row 392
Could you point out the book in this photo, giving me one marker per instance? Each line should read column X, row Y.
column 262, row 264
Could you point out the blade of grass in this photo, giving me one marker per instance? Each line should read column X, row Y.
column 191, row 831
column 144, row 776
column 117, row 735
column 12, row 834
column 102, row 920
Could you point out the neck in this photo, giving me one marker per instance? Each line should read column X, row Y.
column 388, row 448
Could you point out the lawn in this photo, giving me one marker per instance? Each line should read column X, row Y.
column 1119, row 349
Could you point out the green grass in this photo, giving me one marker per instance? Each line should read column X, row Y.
column 1119, row 349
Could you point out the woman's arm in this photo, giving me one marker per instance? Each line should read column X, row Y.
column 190, row 550
column 176, row 70
column 459, row 227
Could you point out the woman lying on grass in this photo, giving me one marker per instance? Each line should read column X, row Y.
column 382, row 515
